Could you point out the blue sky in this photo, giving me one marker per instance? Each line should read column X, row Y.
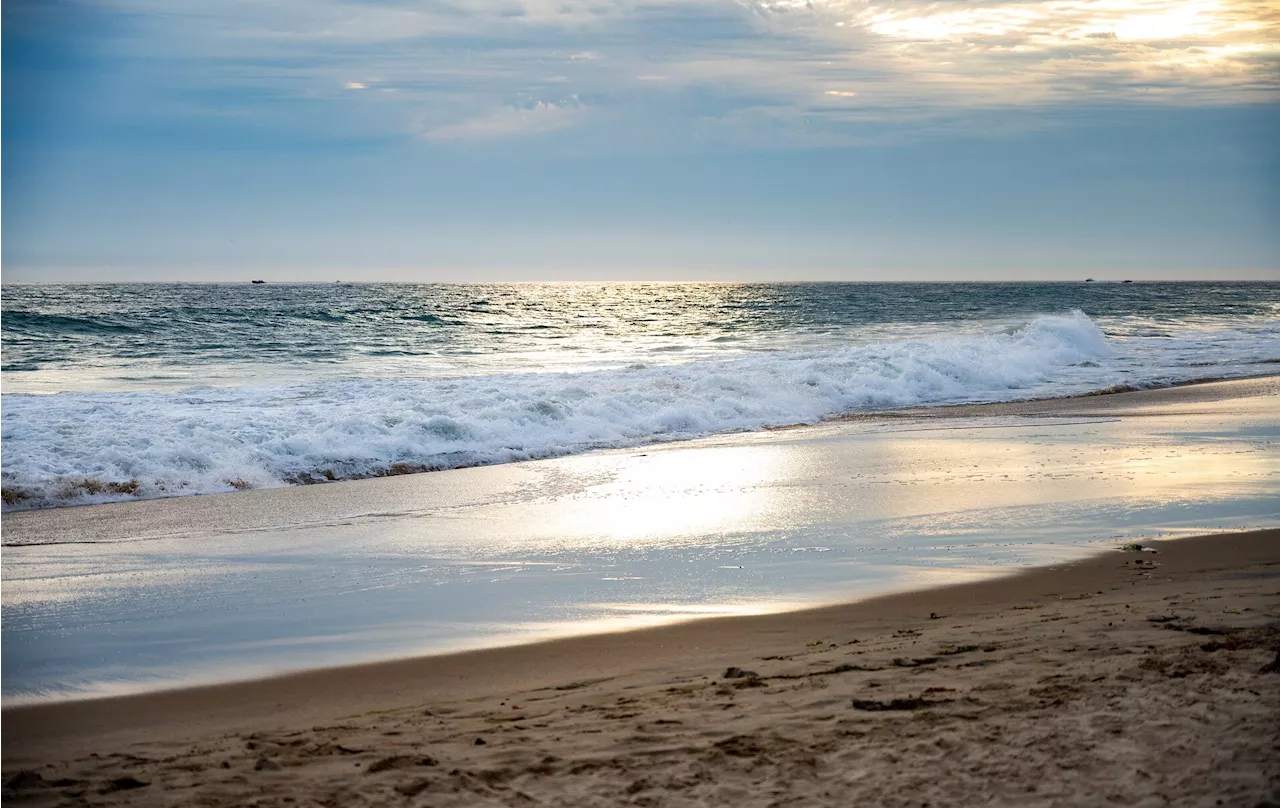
column 580, row 139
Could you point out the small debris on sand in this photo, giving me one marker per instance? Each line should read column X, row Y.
column 399, row 762
column 413, row 788
column 913, row 703
column 739, row 673
column 26, row 779
column 1273, row 666
column 124, row 784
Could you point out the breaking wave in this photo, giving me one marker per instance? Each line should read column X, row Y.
column 76, row 447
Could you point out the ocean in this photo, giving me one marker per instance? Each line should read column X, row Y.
column 136, row 391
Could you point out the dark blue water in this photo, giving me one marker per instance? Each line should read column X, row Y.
column 117, row 336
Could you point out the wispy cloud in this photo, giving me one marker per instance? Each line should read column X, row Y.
column 541, row 117
column 817, row 69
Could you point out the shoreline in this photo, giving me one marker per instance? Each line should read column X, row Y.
column 1219, row 388
column 1056, row 685
column 1106, row 400
column 704, row 643
column 424, row 542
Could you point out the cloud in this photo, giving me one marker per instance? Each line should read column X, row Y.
column 485, row 69
column 508, row 122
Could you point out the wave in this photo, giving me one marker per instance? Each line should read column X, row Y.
column 33, row 323
column 73, row 448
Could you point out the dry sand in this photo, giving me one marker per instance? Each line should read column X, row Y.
column 1133, row 678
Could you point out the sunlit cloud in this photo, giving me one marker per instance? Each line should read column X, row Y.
column 1059, row 22
column 815, row 69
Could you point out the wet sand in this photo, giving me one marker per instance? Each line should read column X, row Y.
column 1135, row 678
column 137, row 596
column 1132, row 677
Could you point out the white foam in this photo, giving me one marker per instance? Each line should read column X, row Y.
column 201, row 440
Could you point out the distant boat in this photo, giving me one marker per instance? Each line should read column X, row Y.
column 1126, row 281
column 257, row 281
column 1086, row 280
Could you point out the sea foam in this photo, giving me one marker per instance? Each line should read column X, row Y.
column 76, row 447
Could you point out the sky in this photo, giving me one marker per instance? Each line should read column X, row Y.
column 610, row 139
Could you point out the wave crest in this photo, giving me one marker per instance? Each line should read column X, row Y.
column 95, row 447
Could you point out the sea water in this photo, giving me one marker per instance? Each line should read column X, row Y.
column 136, row 391
column 661, row 498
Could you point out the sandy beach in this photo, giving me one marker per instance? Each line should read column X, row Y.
column 1097, row 675
column 1134, row 678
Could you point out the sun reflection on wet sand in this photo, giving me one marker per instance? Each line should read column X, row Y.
column 665, row 495
column 737, row 524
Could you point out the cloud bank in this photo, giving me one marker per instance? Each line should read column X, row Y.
column 814, row 71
